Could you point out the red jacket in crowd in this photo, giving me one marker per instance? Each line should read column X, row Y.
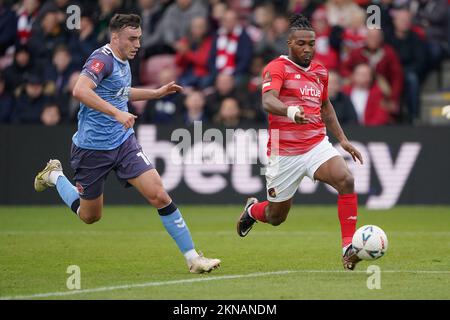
column 375, row 113
column 387, row 64
column 197, row 58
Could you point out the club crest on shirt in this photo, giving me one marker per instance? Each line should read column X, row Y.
column 272, row 193
column 96, row 66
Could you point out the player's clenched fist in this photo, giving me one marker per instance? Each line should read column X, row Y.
column 297, row 114
column 125, row 118
column 300, row 117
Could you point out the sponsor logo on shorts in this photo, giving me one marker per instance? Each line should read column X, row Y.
column 80, row 188
column 272, row 192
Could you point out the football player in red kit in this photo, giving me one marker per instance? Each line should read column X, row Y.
column 295, row 94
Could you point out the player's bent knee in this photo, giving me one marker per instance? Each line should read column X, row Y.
column 159, row 199
column 90, row 217
column 347, row 184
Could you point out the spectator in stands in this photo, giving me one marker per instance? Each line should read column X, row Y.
column 386, row 7
column 58, row 73
column 167, row 109
column 107, row 9
column 50, row 115
column 173, row 26
column 8, row 27
column 343, row 106
column 26, row 15
column 355, row 35
column 372, row 106
column 30, row 102
column 305, row 7
column 6, row 102
column 225, row 87
column 51, row 34
column 193, row 54
column 83, row 41
column 382, row 58
column 15, row 73
column 242, row 8
column 280, row 6
column 412, row 53
column 325, row 52
column 252, row 103
column 216, row 12
column 151, row 12
column 341, row 12
column 433, row 17
column 256, row 68
column 68, row 104
column 273, row 43
column 59, row 6
column 229, row 115
column 232, row 49
column 194, row 103
column 261, row 22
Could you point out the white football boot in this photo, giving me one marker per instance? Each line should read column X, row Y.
column 42, row 180
column 202, row 264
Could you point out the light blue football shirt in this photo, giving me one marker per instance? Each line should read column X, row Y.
column 112, row 76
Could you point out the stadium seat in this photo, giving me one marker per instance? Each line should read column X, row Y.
column 152, row 66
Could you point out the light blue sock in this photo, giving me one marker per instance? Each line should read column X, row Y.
column 176, row 227
column 68, row 193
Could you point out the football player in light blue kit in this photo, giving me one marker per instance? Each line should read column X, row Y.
column 105, row 141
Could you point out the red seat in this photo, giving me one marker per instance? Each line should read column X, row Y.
column 151, row 68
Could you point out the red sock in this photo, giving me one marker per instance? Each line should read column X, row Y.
column 257, row 211
column 348, row 213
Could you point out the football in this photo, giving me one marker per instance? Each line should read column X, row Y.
column 370, row 242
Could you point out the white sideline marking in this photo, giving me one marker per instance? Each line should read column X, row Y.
column 171, row 282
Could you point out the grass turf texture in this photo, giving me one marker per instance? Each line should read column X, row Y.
column 130, row 246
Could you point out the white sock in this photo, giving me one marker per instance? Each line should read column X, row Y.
column 191, row 254
column 53, row 177
column 249, row 210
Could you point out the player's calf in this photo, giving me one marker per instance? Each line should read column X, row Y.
column 276, row 218
column 277, row 212
column 91, row 210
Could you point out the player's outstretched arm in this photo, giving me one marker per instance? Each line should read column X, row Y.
column 84, row 92
column 148, row 94
column 332, row 123
column 273, row 105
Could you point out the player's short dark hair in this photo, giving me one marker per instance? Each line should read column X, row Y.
column 299, row 22
column 121, row 21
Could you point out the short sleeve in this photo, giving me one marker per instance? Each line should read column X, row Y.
column 98, row 66
column 273, row 77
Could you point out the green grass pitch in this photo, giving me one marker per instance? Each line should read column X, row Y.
column 128, row 255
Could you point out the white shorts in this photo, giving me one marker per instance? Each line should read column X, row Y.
column 284, row 173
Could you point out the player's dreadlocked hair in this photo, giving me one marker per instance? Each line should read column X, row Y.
column 299, row 22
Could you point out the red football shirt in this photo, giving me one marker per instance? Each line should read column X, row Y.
column 297, row 87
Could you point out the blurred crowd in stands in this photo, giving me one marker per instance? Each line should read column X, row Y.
column 217, row 50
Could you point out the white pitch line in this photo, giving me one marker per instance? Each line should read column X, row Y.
column 171, row 282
